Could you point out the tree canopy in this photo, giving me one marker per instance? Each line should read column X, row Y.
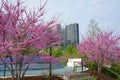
column 103, row 49
column 24, row 32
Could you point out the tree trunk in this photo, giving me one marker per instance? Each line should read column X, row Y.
column 99, row 68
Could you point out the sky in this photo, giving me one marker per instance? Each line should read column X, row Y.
column 105, row 12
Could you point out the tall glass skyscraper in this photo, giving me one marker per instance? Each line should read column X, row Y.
column 72, row 34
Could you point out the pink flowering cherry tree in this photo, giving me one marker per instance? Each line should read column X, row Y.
column 23, row 33
column 104, row 49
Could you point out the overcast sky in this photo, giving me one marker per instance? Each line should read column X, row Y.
column 105, row 12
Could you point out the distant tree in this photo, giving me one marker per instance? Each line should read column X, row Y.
column 23, row 33
column 103, row 49
column 70, row 49
column 57, row 52
column 93, row 28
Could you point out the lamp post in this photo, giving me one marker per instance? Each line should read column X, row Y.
column 51, row 43
column 4, row 70
column 82, row 63
column 50, row 62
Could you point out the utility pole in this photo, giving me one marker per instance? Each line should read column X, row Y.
column 50, row 62
column 82, row 63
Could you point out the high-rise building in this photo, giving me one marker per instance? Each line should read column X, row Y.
column 72, row 34
column 61, row 30
column 69, row 34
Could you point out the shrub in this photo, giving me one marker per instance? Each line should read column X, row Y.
column 92, row 66
column 110, row 72
column 116, row 68
column 118, row 78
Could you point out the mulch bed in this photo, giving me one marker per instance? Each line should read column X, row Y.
column 100, row 76
column 38, row 78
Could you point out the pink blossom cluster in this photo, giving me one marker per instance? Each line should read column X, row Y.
column 103, row 49
column 23, row 33
column 20, row 28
